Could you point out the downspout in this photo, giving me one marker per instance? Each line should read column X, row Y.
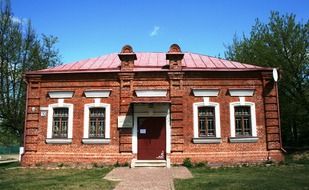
column 26, row 108
column 279, row 120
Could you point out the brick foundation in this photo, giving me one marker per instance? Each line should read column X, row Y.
column 228, row 157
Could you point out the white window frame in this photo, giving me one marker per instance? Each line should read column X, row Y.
column 206, row 140
column 50, row 138
column 106, row 139
column 253, row 137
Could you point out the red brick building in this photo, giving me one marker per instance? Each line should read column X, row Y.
column 130, row 107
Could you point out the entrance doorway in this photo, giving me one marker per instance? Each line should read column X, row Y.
column 151, row 133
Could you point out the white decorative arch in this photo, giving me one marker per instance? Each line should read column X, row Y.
column 196, row 138
column 233, row 137
column 51, row 107
column 87, row 107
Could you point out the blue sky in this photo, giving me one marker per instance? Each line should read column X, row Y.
column 92, row 28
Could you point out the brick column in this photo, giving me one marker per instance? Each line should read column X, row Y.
column 176, row 96
column 32, row 114
column 272, row 115
column 125, row 109
column 126, row 76
column 175, row 75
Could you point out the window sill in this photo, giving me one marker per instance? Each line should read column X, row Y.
column 207, row 140
column 243, row 139
column 58, row 141
column 96, row 141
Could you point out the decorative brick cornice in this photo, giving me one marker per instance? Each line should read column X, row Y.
column 266, row 75
column 126, row 76
column 175, row 75
column 127, row 58
column 175, row 57
column 33, row 77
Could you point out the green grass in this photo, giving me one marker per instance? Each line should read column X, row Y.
column 32, row 178
column 292, row 175
column 276, row 177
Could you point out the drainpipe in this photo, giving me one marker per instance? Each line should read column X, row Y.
column 27, row 93
column 278, row 110
column 279, row 121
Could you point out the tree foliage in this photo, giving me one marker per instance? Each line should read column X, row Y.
column 21, row 50
column 283, row 43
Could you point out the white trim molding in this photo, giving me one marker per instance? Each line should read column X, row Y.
column 96, row 141
column 241, row 92
column 58, row 141
column 233, row 137
column 61, row 94
column 151, row 93
column 205, row 92
column 243, row 139
column 86, row 139
column 43, row 108
column 100, row 93
column 50, row 138
column 206, row 140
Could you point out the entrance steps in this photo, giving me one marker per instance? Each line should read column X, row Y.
column 149, row 163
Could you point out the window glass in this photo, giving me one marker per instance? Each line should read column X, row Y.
column 96, row 122
column 60, row 122
column 206, row 120
column 243, row 121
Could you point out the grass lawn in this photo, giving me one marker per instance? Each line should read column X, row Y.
column 31, row 178
column 292, row 175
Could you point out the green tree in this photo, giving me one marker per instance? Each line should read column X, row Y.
column 283, row 43
column 21, row 50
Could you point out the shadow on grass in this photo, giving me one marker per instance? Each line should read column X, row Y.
column 9, row 165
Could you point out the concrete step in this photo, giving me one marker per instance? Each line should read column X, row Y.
column 148, row 163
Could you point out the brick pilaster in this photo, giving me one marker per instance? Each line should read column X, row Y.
column 32, row 114
column 176, row 96
column 125, row 108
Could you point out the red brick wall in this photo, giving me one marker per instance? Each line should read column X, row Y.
column 226, row 152
column 180, row 95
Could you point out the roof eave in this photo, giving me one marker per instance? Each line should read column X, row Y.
column 161, row 70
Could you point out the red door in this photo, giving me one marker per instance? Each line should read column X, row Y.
column 151, row 138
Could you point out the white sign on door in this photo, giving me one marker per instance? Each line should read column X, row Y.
column 142, row 131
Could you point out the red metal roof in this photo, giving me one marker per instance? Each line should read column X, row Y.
column 150, row 62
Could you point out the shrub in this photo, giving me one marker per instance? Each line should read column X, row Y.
column 38, row 164
column 187, row 163
column 201, row 164
column 117, row 164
